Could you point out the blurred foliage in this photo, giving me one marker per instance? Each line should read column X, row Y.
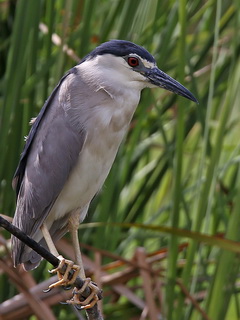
column 179, row 165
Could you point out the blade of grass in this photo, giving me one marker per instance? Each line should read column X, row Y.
column 177, row 171
column 219, row 242
column 228, row 263
column 203, row 195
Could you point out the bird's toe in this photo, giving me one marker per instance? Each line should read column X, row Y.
column 67, row 273
column 79, row 300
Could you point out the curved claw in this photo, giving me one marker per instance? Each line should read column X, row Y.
column 67, row 287
column 47, row 290
column 79, row 307
column 63, row 302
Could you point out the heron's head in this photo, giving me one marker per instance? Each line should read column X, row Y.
column 125, row 64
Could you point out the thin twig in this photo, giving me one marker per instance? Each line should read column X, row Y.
column 92, row 313
column 193, row 301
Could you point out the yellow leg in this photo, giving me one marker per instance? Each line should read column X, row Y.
column 78, row 268
column 92, row 299
column 48, row 239
column 63, row 278
column 77, row 251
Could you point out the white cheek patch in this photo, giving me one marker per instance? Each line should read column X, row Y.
column 148, row 64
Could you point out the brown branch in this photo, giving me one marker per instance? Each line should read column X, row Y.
column 40, row 309
column 193, row 301
column 92, row 313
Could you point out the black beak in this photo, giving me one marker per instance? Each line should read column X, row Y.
column 162, row 80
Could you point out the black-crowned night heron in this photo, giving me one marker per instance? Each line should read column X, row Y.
column 74, row 141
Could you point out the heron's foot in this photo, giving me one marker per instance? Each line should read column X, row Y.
column 88, row 302
column 66, row 277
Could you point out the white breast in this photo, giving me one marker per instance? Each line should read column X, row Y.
column 105, row 131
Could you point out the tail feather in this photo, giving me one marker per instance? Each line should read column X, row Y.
column 17, row 248
column 23, row 254
column 31, row 259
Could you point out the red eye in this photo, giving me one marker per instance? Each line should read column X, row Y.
column 133, row 62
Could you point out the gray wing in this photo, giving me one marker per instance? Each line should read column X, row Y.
column 51, row 151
